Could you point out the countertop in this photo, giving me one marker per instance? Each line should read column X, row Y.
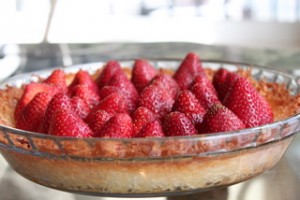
column 280, row 182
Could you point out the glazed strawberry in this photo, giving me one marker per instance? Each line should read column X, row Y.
column 65, row 123
column 119, row 126
column 114, row 103
column 111, row 68
column 141, row 117
column 189, row 68
column 58, row 79
column 83, row 78
column 33, row 114
column 187, row 103
column 29, row 93
column 121, row 81
column 152, row 129
column 220, row 119
column 222, row 81
column 178, row 124
column 166, row 82
column 204, row 82
column 86, row 93
column 243, row 99
column 60, row 101
column 108, row 90
column 205, row 95
column 97, row 119
column 80, row 107
column 156, row 99
column 142, row 74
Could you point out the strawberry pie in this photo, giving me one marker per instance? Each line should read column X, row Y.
column 145, row 102
column 148, row 107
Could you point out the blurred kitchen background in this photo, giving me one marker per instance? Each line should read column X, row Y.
column 46, row 33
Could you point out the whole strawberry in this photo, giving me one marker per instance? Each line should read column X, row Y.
column 113, row 103
column 29, row 93
column 97, row 119
column 152, row 129
column 82, row 77
column 220, row 119
column 205, row 95
column 108, row 90
column 121, row 81
column 222, row 81
column 58, row 79
column 84, row 92
column 156, row 99
column 111, row 68
column 140, row 118
column 119, row 126
column 244, row 100
column 187, row 103
column 65, row 123
column 32, row 115
column 60, row 101
column 142, row 74
column 204, row 82
column 166, row 82
column 178, row 124
column 189, row 68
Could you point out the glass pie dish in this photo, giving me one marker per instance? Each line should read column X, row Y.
column 143, row 167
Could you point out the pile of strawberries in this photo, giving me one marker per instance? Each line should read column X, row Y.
column 150, row 104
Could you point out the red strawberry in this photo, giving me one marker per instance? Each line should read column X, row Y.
column 59, row 101
column 57, row 78
column 243, row 99
column 205, row 95
column 33, row 114
column 189, row 68
column 142, row 74
column 97, row 119
column 107, row 90
column 178, row 124
column 65, row 123
column 113, row 103
column 119, row 126
column 166, row 82
column 156, row 99
column 222, row 81
column 220, row 119
column 121, row 81
column 80, row 107
column 152, row 129
column 140, row 118
column 111, row 68
column 29, row 93
column 83, row 78
column 204, row 82
column 62, row 102
column 187, row 103
column 85, row 93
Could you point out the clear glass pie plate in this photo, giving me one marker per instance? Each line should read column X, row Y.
column 142, row 167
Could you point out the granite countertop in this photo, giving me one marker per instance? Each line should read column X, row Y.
column 281, row 182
